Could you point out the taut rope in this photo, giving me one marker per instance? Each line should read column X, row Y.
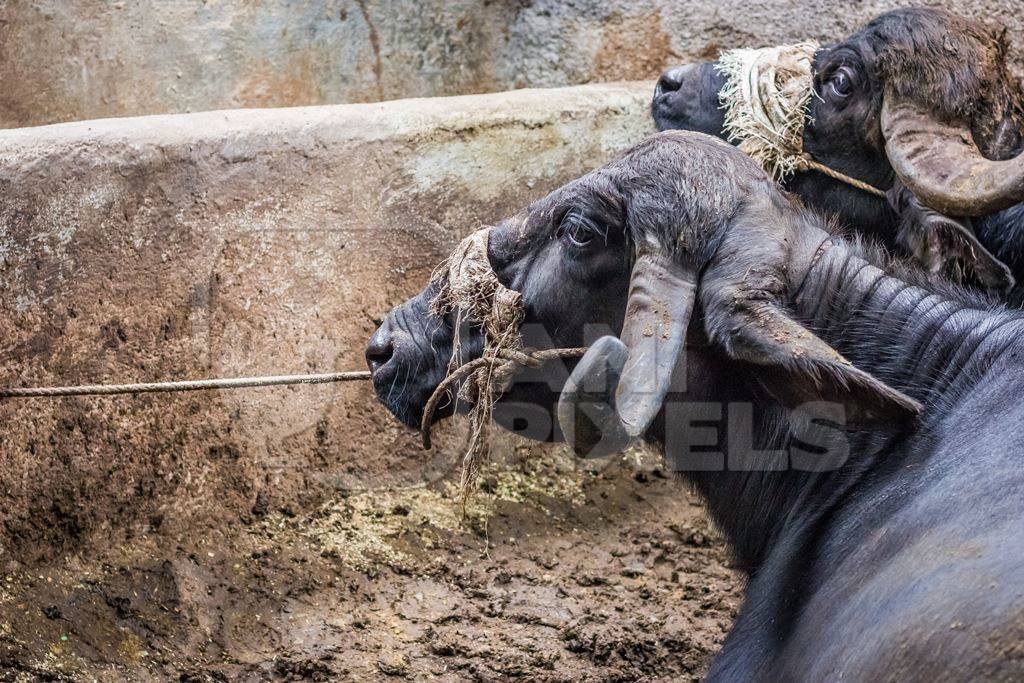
column 806, row 162
column 183, row 385
column 469, row 289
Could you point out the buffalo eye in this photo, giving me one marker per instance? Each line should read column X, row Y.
column 840, row 83
column 577, row 230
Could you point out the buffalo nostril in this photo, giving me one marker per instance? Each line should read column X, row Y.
column 380, row 349
column 670, row 81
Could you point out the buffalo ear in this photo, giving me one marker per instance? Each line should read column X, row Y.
column 802, row 368
column 946, row 245
column 742, row 291
column 619, row 385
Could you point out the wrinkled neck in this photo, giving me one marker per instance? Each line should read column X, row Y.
column 931, row 346
column 926, row 344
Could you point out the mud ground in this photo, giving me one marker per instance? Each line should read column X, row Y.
column 557, row 570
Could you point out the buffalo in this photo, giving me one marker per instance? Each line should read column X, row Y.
column 852, row 423
column 919, row 102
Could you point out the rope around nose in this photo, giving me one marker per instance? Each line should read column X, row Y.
column 504, row 363
column 185, row 385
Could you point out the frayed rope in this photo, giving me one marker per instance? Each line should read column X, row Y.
column 469, row 289
column 765, row 98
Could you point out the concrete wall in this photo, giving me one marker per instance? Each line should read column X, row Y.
column 240, row 243
column 63, row 60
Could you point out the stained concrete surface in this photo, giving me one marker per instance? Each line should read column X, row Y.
column 63, row 60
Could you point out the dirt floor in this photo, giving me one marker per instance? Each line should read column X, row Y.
column 559, row 570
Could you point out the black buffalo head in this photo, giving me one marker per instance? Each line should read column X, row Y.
column 918, row 97
column 614, row 259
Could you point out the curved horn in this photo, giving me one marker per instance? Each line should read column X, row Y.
column 662, row 291
column 586, row 408
column 940, row 163
column 618, row 386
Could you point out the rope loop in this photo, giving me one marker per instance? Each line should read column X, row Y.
column 502, row 364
